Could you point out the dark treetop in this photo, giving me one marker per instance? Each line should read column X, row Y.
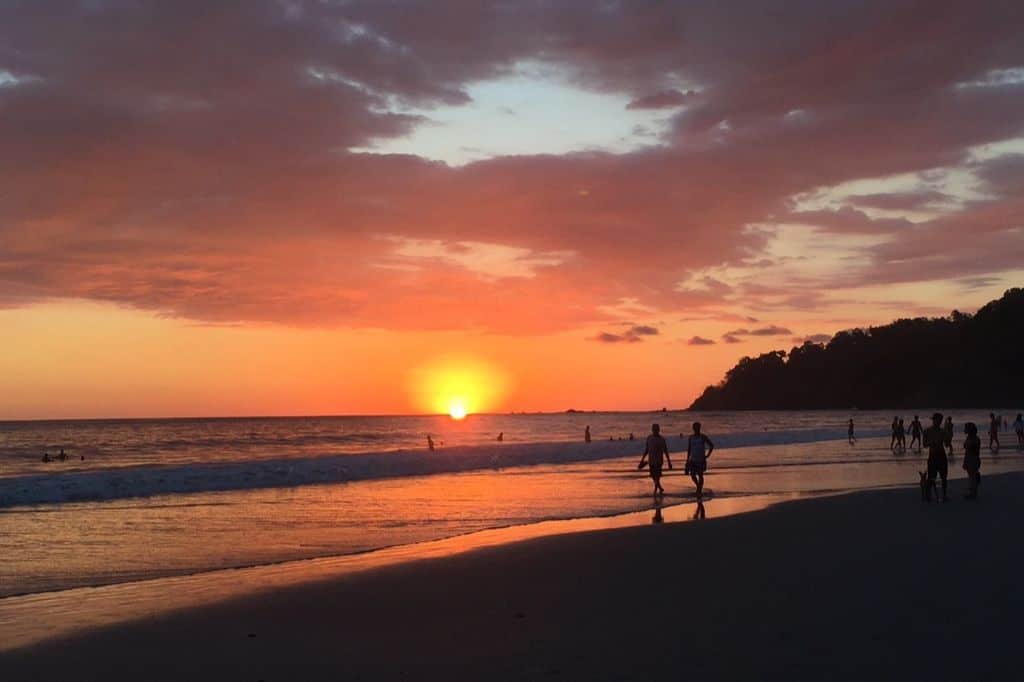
column 956, row 361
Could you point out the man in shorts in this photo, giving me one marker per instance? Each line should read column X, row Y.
column 698, row 450
column 934, row 440
column 656, row 453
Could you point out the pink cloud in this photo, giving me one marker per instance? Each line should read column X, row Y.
column 195, row 161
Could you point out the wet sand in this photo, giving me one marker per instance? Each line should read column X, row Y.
column 870, row 585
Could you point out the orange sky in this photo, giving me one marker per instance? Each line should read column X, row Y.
column 320, row 208
column 88, row 360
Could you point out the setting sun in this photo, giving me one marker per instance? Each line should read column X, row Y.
column 458, row 386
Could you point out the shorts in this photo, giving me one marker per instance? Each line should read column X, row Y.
column 694, row 466
column 938, row 467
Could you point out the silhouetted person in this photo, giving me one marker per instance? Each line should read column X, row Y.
column 972, row 459
column 916, row 429
column 501, row 436
column 698, row 449
column 62, row 456
column 895, row 438
column 1018, row 428
column 901, row 437
column 938, row 465
column 631, row 436
column 993, row 433
column 655, row 454
column 849, row 433
column 46, row 457
column 430, row 443
column 947, row 436
column 586, row 435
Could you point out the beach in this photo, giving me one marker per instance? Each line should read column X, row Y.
column 866, row 585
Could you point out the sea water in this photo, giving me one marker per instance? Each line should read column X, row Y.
column 159, row 498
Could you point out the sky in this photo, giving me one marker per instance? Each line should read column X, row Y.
column 287, row 207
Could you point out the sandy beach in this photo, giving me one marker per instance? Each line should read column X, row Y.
column 868, row 585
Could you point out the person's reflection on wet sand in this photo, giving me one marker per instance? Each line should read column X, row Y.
column 699, row 513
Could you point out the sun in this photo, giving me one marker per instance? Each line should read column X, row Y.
column 457, row 409
column 457, row 386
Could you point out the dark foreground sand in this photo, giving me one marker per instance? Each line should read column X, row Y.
column 865, row 586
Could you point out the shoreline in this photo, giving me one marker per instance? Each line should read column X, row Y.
column 85, row 484
column 848, row 586
column 22, row 624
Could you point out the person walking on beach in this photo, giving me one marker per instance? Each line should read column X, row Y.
column 993, row 432
column 656, row 455
column 430, row 443
column 849, row 433
column 1018, row 428
column 895, row 425
column 586, row 434
column 937, row 462
column 972, row 460
column 916, row 429
column 698, row 449
column 901, row 437
column 947, row 436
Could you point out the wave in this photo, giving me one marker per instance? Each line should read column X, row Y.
column 148, row 481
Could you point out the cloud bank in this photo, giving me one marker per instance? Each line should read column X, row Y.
column 196, row 159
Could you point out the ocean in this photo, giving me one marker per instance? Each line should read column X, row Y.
column 166, row 497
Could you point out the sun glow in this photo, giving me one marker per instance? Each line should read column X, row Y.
column 457, row 410
column 458, row 387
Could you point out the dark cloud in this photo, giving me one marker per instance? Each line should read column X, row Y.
column 729, row 338
column 606, row 337
column 700, row 341
column 635, row 334
column 771, row 330
column 901, row 201
column 665, row 99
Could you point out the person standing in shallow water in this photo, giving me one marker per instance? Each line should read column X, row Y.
column 916, row 429
column 849, row 433
column 993, row 433
column 586, row 434
column 947, row 436
column 698, row 449
column 972, row 460
column 938, row 465
column 655, row 455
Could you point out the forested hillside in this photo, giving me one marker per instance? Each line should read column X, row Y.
column 956, row 361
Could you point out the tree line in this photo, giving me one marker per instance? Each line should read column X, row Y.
column 957, row 361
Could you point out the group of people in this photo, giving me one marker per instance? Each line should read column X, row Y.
column 60, row 457
column 698, row 450
column 993, row 430
column 937, row 439
column 898, row 441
